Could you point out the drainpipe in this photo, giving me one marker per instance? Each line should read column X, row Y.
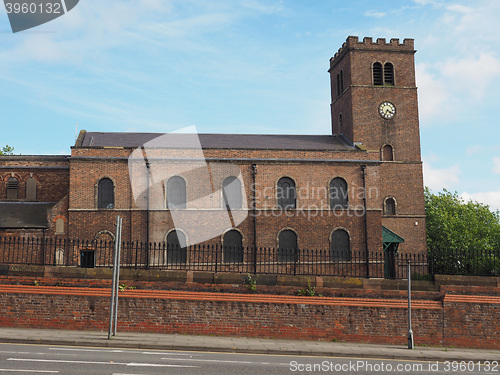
column 367, row 252
column 148, row 174
column 147, row 203
column 254, row 209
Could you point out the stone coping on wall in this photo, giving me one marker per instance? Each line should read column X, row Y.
column 101, row 277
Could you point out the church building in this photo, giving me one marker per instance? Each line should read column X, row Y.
column 356, row 190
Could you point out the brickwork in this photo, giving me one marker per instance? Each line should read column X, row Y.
column 51, row 174
column 463, row 321
column 52, row 185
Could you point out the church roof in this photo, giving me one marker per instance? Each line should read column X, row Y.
column 17, row 215
column 388, row 236
column 217, row 141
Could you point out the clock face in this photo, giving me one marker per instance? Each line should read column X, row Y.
column 387, row 110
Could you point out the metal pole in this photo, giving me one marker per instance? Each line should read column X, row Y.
column 410, row 332
column 117, row 282
column 113, row 284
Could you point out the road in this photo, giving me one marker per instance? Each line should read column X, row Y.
column 41, row 359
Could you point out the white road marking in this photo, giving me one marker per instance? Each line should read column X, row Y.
column 96, row 362
column 90, row 350
column 13, row 352
column 163, row 353
column 207, row 360
column 32, row 371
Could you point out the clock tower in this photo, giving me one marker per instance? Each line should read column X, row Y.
column 374, row 97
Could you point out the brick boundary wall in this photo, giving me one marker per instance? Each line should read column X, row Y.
column 454, row 320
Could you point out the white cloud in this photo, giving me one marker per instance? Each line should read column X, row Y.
column 433, row 93
column 441, row 86
column 375, row 14
column 472, row 26
column 427, row 2
column 266, row 9
column 475, row 73
column 496, row 164
column 440, row 178
column 491, row 198
column 460, row 8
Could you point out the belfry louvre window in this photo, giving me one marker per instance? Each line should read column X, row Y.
column 12, row 186
column 287, row 246
column 378, row 79
column 176, row 247
column 339, row 196
column 176, row 192
column 388, row 74
column 105, row 194
column 340, row 246
column 231, row 191
column 286, row 193
column 233, row 247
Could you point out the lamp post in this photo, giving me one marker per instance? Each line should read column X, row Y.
column 410, row 332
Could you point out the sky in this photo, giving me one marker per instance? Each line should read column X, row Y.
column 251, row 66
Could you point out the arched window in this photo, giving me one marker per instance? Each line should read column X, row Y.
column 103, row 241
column 59, row 257
column 176, row 247
column 387, row 153
column 60, row 226
column 339, row 196
column 105, row 194
column 390, row 206
column 231, row 192
column 31, row 189
column 232, row 247
column 104, row 236
column 287, row 246
column 176, row 192
column 340, row 248
column 340, row 83
column 378, row 79
column 388, row 74
column 286, row 193
column 12, row 185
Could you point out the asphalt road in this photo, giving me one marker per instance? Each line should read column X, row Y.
column 41, row 359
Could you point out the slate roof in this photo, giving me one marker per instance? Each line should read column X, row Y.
column 218, row 141
column 19, row 215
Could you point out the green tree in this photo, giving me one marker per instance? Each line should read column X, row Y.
column 7, row 150
column 462, row 237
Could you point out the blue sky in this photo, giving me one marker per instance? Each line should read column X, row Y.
column 251, row 66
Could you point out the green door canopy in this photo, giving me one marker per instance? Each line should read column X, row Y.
column 391, row 240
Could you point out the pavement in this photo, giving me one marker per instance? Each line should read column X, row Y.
column 136, row 340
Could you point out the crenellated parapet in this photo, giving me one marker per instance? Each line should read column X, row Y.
column 353, row 43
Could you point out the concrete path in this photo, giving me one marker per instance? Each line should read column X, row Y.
column 241, row 345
